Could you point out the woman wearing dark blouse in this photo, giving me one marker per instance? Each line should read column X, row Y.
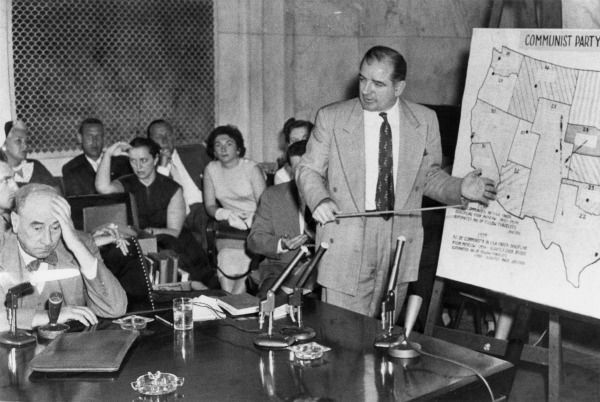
column 159, row 201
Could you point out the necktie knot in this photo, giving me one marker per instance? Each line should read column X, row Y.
column 34, row 265
column 384, row 116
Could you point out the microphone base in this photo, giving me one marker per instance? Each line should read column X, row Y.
column 273, row 342
column 386, row 341
column 405, row 350
column 300, row 334
column 51, row 331
column 19, row 338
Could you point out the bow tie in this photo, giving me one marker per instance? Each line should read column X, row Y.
column 34, row 265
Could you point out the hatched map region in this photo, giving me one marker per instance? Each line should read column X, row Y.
column 535, row 129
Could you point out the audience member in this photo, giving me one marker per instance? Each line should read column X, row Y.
column 280, row 226
column 43, row 240
column 80, row 172
column 159, row 201
column 293, row 131
column 15, row 148
column 236, row 183
column 8, row 187
column 185, row 165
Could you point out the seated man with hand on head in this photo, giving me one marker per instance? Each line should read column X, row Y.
column 47, row 251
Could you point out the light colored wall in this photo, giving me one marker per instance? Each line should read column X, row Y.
column 581, row 14
column 283, row 58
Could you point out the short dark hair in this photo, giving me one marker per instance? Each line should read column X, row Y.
column 157, row 122
column 229, row 130
column 28, row 190
column 292, row 123
column 153, row 147
column 90, row 121
column 3, row 157
column 298, row 148
column 380, row 53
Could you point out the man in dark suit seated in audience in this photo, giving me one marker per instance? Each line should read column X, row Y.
column 15, row 149
column 185, row 165
column 44, row 249
column 280, row 226
column 80, row 172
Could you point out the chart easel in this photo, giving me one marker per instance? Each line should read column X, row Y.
column 513, row 349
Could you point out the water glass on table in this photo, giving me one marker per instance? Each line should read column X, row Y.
column 182, row 313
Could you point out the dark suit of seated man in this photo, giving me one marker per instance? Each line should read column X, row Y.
column 185, row 165
column 79, row 173
column 279, row 226
column 47, row 251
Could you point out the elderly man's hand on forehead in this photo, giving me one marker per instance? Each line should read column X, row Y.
column 61, row 210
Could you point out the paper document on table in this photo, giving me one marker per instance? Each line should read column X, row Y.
column 206, row 308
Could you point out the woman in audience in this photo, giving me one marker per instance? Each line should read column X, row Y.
column 232, row 188
column 159, row 201
column 8, row 187
column 15, row 149
column 293, row 131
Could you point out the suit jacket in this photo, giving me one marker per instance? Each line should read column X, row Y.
column 79, row 176
column 195, row 159
column 334, row 167
column 103, row 294
column 276, row 216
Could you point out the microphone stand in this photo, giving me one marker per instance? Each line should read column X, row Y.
column 15, row 337
column 53, row 329
column 388, row 305
column 301, row 333
column 267, row 306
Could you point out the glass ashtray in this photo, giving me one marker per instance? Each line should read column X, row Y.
column 133, row 322
column 157, row 383
column 309, row 351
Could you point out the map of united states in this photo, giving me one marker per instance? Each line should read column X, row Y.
column 534, row 130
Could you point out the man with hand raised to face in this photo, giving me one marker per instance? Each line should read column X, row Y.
column 377, row 152
column 47, row 251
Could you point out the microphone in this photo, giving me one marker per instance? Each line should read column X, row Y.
column 267, row 306
column 299, row 332
column 388, row 305
column 14, row 336
column 53, row 329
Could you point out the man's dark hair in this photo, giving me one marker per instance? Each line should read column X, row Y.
column 90, row 121
column 153, row 147
column 3, row 157
column 155, row 123
column 28, row 190
column 298, row 148
column 292, row 123
column 229, row 130
column 382, row 53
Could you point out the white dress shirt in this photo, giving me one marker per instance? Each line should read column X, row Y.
column 94, row 163
column 372, row 126
column 177, row 171
column 39, row 285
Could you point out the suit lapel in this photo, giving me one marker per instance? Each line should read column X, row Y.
column 351, row 150
column 410, row 153
column 9, row 255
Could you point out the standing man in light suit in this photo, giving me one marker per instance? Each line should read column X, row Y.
column 376, row 153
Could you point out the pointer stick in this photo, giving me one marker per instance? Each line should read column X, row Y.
column 394, row 212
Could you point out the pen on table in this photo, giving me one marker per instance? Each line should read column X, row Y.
column 163, row 321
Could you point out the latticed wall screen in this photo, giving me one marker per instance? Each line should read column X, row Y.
column 126, row 62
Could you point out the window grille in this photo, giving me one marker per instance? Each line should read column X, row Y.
column 126, row 62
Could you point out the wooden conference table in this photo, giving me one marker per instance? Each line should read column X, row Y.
column 220, row 363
